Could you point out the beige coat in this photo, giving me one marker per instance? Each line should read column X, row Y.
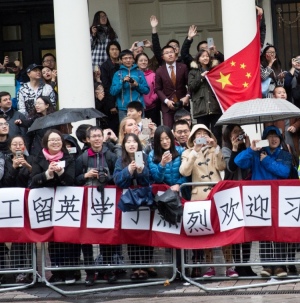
column 204, row 166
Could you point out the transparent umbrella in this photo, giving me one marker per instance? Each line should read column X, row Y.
column 259, row 111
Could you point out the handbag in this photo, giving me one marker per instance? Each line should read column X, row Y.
column 133, row 198
column 169, row 206
column 265, row 87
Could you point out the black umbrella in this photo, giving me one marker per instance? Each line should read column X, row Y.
column 64, row 116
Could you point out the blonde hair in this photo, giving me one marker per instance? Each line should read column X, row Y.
column 122, row 129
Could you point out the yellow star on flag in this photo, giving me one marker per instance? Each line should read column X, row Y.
column 232, row 63
column 224, row 80
column 243, row 66
column 248, row 75
column 245, row 84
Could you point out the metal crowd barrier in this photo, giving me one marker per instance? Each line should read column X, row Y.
column 104, row 261
column 18, row 267
column 194, row 260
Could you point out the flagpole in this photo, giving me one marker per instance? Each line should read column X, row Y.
column 239, row 25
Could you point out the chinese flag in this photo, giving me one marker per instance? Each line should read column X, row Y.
column 238, row 78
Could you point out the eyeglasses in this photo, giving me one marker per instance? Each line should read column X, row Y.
column 4, row 124
column 180, row 132
column 49, row 61
column 17, row 144
column 54, row 140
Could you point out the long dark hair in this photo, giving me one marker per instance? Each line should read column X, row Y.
column 199, row 55
column 227, row 137
column 46, row 138
column 126, row 160
column 50, row 109
column 110, row 31
column 276, row 66
column 158, row 150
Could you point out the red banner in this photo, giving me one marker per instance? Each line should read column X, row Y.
column 278, row 212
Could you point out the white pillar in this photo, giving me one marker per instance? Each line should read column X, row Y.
column 239, row 25
column 239, row 29
column 73, row 51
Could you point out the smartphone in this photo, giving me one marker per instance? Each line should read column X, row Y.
column 210, row 42
column 19, row 154
column 72, row 150
column 201, row 140
column 138, row 158
column 145, row 129
column 140, row 43
column 262, row 143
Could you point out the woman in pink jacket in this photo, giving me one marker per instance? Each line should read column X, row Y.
column 152, row 109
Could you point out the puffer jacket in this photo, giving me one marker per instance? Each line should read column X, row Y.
column 202, row 166
column 170, row 173
column 203, row 98
column 123, row 91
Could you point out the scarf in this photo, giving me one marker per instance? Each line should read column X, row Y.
column 52, row 158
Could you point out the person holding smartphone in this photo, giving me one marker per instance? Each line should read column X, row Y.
column 203, row 161
column 268, row 163
column 17, row 170
column 132, row 169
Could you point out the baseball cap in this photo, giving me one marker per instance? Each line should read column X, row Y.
column 33, row 66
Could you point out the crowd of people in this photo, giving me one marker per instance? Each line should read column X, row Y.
column 134, row 91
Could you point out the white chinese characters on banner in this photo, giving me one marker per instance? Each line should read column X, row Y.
column 257, row 205
column 101, row 213
column 196, row 218
column 12, row 207
column 229, row 208
column 289, row 206
column 159, row 224
column 40, row 207
column 68, row 206
column 139, row 219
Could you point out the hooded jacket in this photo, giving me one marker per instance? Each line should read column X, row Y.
column 277, row 164
column 123, row 90
column 203, row 98
column 202, row 166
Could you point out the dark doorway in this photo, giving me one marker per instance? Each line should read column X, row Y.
column 26, row 30
column 286, row 29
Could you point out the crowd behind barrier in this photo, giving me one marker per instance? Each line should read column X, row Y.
column 237, row 212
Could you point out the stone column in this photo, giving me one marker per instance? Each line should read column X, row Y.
column 239, row 25
column 73, row 51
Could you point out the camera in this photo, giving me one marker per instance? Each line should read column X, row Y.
column 241, row 137
column 103, row 175
column 178, row 104
column 130, row 80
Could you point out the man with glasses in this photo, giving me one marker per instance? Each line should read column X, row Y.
column 128, row 84
column 181, row 130
column 49, row 60
column 170, row 85
column 11, row 115
column 94, row 167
